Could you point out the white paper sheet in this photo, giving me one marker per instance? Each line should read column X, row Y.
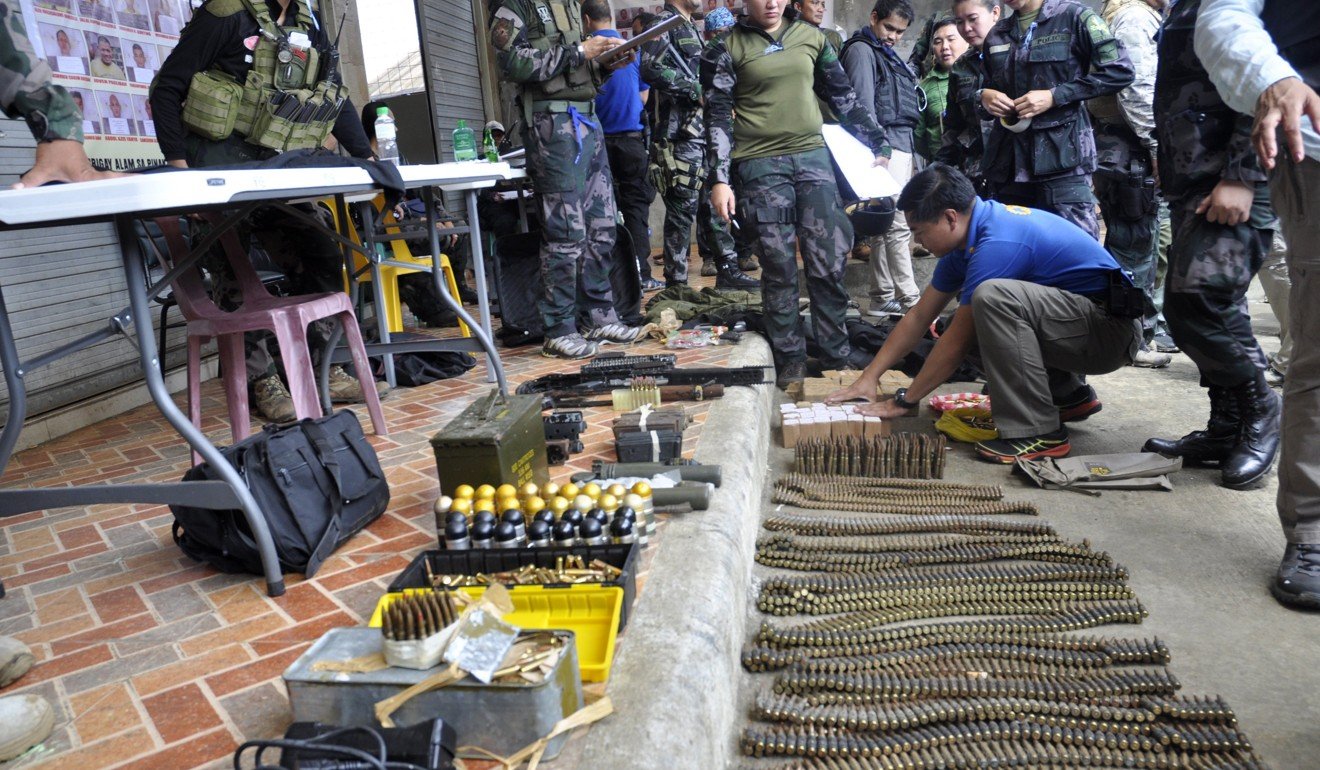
column 856, row 161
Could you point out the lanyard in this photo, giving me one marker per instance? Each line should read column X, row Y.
column 579, row 120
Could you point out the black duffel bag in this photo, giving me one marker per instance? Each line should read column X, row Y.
column 318, row 482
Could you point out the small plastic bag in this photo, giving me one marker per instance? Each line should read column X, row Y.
column 481, row 638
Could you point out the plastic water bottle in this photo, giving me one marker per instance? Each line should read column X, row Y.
column 465, row 144
column 387, row 136
column 488, row 148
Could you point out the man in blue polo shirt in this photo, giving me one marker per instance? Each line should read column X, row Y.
column 1034, row 295
column 619, row 104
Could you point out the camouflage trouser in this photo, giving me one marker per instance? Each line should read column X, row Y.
column 1125, row 189
column 682, row 193
column 568, row 165
column 309, row 258
column 784, row 199
column 1069, row 197
column 714, row 241
column 1205, row 302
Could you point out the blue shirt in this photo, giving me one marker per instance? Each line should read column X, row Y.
column 619, row 101
column 1023, row 244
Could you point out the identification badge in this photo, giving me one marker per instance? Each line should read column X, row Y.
column 1000, row 48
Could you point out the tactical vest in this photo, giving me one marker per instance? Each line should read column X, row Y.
column 556, row 23
column 284, row 104
column 1106, row 109
column 898, row 98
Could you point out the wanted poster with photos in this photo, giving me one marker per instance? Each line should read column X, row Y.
column 106, row 53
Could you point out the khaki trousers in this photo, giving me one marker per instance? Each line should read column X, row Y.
column 891, row 253
column 1035, row 343
column 1295, row 192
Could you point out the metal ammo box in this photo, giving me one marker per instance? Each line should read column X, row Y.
column 496, row 440
column 502, row 718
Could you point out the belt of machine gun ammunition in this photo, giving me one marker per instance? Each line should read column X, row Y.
column 885, row 496
column 864, row 688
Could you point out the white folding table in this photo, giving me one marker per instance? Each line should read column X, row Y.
column 236, row 192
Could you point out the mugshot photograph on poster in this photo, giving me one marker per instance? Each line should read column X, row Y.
column 66, row 48
column 106, row 53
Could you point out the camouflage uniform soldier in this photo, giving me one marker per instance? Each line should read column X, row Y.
column 539, row 46
column 1125, row 153
column 1222, row 228
column 669, row 66
column 767, row 72
column 1043, row 63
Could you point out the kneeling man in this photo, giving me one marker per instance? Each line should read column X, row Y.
column 1041, row 299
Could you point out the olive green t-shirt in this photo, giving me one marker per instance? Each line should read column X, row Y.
column 777, row 110
column 1025, row 19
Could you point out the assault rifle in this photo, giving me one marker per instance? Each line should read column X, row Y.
column 607, row 373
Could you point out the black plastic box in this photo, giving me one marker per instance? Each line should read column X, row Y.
column 653, row 446
column 490, row 560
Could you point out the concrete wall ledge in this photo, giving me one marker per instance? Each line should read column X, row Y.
column 676, row 674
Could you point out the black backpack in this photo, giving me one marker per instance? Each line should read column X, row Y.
column 317, row 481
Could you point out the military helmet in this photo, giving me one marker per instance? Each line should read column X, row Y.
column 871, row 218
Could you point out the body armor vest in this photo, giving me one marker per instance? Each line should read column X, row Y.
column 558, row 22
column 284, row 104
column 897, row 103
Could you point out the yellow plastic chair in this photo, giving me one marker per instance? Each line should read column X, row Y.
column 388, row 275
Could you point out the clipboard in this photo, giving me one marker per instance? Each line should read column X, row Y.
column 633, row 43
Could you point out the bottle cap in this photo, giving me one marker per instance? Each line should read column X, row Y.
column 382, row 110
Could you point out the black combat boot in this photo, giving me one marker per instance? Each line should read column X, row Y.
column 1258, row 441
column 732, row 279
column 1211, row 445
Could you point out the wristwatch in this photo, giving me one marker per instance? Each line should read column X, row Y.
column 582, row 50
column 900, row 398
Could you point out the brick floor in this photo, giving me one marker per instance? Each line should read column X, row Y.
column 156, row 661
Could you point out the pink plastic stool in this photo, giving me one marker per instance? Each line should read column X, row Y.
column 287, row 317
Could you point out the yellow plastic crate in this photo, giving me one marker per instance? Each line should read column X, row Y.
column 591, row 612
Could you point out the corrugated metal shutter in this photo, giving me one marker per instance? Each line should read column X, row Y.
column 61, row 283
column 453, row 73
